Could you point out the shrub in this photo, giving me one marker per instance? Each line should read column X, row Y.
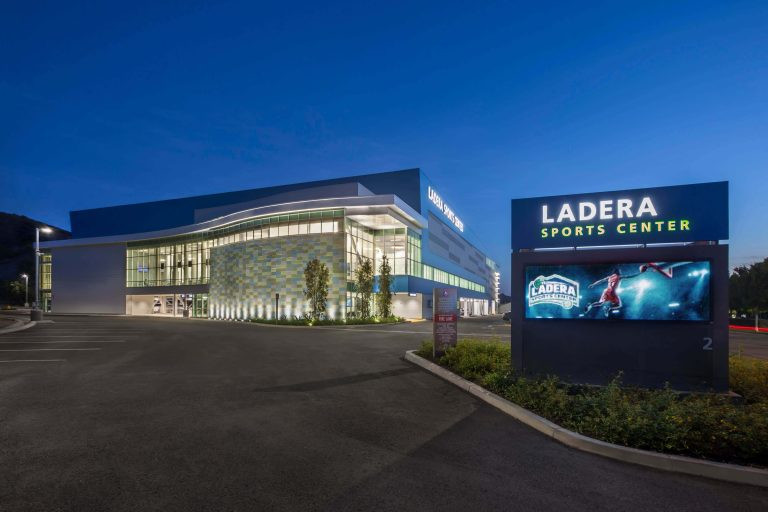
column 474, row 359
column 749, row 378
column 307, row 321
column 699, row 425
column 425, row 350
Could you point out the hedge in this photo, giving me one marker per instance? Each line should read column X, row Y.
column 709, row 426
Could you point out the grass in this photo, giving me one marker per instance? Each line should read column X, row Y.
column 702, row 425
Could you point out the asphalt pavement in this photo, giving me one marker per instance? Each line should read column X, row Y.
column 120, row 413
column 753, row 344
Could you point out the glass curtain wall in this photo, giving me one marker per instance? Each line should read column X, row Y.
column 45, row 271
column 359, row 247
column 418, row 269
column 390, row 243
column 185, row 260
column 46, row 281
column 413, row 263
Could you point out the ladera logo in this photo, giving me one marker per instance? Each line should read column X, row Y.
column 554, row 289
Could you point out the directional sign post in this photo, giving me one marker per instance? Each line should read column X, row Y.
column 445, row 317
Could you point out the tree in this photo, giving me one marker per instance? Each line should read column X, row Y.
column 385, row 293
column 364, row 278
column 12, row 292
column 748, row 287
column 316, row 277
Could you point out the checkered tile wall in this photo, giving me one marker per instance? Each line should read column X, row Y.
column 245, row 276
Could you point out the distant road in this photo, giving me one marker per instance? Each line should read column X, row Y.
column 749, row 343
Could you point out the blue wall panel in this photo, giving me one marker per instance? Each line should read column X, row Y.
column 157, row 215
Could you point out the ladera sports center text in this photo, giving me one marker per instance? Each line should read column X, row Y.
column 623, row 228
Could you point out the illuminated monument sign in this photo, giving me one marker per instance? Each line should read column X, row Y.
column 641, row 216
column 647, row 297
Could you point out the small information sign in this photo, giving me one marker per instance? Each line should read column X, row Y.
column 445, row 316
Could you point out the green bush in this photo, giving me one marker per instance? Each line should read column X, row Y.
column 473, row 358
column 699, row 425
column 749, row 377
column 308, row 322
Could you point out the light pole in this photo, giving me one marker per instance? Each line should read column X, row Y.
column 26, row 290
column 37, row 314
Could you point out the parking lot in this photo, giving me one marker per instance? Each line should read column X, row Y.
column 121, row 413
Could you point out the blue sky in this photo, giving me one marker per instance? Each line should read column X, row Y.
column 106, row 105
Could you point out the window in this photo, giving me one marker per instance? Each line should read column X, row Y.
column 186, row 259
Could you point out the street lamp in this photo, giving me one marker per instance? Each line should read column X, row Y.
column 36, row 313
column 26, row 289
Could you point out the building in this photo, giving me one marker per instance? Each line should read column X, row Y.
column 227, row 255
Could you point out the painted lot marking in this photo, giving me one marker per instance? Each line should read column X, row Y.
column 62, row 341
column 33, row 361
column 44, row 349
column 61, row 336
column 84, row 331
column 81, row 329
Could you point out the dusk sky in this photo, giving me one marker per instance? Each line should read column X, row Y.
column 104, row 105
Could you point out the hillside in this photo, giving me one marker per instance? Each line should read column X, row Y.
column 17, row 238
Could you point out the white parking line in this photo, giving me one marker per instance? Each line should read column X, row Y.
column 60, row 336
column 62, row 341
column 44, row 349
column 70, row 331
column 84, row 331
column 33, row 361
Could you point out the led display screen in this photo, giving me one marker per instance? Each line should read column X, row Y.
column 671, row 290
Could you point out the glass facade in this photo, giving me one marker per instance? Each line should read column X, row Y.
column 46, row 281
column 45, row 271
column 418, row 269
column 390, row 243
column 185, row 260
column 172, row 304
column 359, row 246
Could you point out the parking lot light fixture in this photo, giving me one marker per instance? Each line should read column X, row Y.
column 36, row 314
column 26, row 289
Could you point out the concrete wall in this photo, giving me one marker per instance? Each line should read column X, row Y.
column 245, row 276
column 139, row 304
column 89, row 279
column 406, row 306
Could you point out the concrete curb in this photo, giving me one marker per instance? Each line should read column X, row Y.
column 18, row 325
column 675, row 463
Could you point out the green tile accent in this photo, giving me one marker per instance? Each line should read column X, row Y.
column 245, row 276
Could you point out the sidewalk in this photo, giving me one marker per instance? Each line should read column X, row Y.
column 15, row 320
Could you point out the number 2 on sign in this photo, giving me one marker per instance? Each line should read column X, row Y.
column 707, row 344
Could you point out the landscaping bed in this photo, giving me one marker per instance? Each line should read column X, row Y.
column 308, row 322
column 713, row 427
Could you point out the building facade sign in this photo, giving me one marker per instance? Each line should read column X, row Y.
column 443, row 207
column 684, row 213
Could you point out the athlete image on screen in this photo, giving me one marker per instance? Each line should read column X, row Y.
column 610, row 298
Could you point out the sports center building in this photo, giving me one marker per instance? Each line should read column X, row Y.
column 227, row 255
